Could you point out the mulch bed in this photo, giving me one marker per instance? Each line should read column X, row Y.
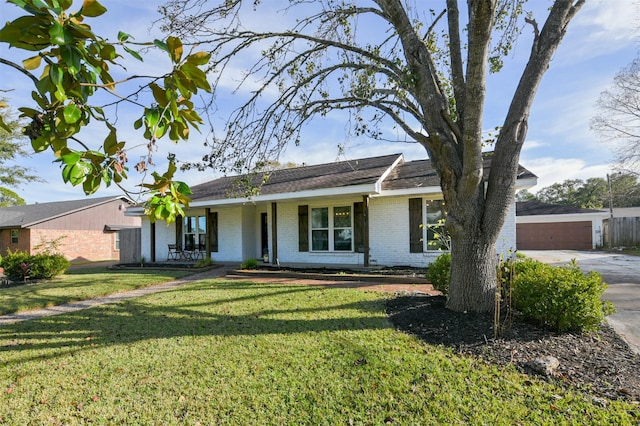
column 600, row 362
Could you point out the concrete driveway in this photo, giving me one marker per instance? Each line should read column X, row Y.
column 620, row 272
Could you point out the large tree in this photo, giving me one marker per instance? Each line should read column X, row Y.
column 618, row 122
column 424, row 69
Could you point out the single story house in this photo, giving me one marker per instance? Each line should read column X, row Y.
column 81, row 230
column 541, row 226
column 371, row 211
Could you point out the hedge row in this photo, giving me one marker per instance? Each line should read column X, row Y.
column 20, row 264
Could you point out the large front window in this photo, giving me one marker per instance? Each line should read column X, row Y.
column 195, row 228
column 331, row 229
column 437, row 237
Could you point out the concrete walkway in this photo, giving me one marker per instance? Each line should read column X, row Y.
column 622, row 274
column 112, row 298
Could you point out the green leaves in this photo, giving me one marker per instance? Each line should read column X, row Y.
column 168, row 196
column 76, row 62
column 72, row 114
column 58, row 34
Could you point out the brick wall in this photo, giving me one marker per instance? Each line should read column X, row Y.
column 6, row 244
column 78, row 245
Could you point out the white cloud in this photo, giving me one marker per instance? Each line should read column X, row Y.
column 534, row 144
column 556, row 170
column 600, row 28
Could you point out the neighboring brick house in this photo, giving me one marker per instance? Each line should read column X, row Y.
column 84, row 230
column 370, row 211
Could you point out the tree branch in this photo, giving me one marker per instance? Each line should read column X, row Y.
column 19, row 68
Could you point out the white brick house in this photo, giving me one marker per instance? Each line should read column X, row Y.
column 372, row 211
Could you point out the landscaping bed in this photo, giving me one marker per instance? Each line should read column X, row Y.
column 599, row 362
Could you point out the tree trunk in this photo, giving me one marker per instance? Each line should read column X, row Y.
column 473, row 274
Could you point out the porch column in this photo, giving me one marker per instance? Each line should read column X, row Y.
column 274, row 233
column 153, row 241
column 365, row 228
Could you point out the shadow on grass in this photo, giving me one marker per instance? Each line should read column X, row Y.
column 55, row 292
column 201, row 309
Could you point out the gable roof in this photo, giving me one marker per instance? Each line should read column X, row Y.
column 420, row 173
column 537, row 208
column 371, row 175
column 364, row 171
column 31, row 214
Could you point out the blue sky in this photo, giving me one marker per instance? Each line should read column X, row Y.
column 601, row 40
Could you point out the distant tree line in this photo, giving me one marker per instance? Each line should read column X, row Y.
column 592, row 193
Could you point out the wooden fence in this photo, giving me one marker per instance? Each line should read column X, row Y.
column 130, row 245
column 622, row 232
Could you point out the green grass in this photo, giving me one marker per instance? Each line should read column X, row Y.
column 79, row 285
column 217, row 352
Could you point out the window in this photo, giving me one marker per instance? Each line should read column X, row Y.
column 437, row 237
column 331, row 229
column 14, row 236
column 195, row 232
column 117, row 239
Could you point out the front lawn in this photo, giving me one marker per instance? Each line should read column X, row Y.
column 79, row 285
column 220, row 352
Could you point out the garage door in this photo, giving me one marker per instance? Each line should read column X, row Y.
column 554, row 236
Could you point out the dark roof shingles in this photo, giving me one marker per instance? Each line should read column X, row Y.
column 306, row 178
column 420, row 173
column 406, row 175
column 18, row 216
column 537, row 208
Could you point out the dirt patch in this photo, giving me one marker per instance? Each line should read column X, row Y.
column 600, row 362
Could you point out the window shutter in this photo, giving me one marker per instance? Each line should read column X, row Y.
column 213, row 231
column 303, row 228
column 415, row 220
column 358, row 227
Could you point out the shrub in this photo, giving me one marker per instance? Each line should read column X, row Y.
column 439, row 273
column 48, row 265
column 203, row 263
column 249, row 264
column 13, row 261
column 563, row 298
column 20, row 264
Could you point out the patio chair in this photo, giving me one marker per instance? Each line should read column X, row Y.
column 200, row 252
column 174, row 252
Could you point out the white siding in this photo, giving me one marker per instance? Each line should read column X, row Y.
column 229, row 235
column 165, row 235
column 389, row 234
column 288, row 238
column 239, row 234
column 506, row 242
column 249, row 232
